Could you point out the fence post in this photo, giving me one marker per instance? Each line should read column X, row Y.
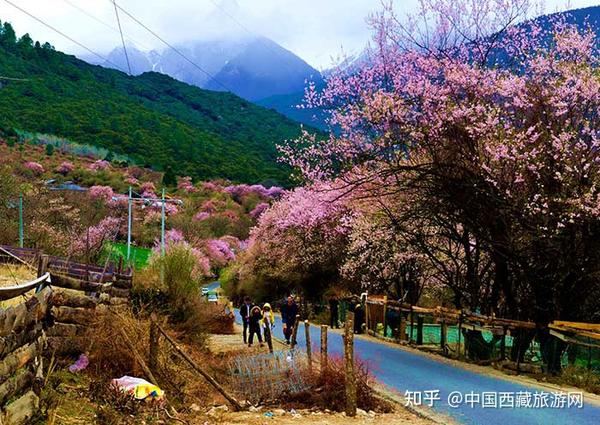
column 42, row 265
column 402, row 326
column 308, row 346
column 153, row 344
column 384, row 315
column 21, row 237
column 368, row 317
column 295, row 331
column 324, row 358
column 443, row 335
column 459, row 333
column 350, row 379
column 419, row 330
column 503, row 344
column 412, row 324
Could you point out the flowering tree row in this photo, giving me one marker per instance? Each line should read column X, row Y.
column 467, row 149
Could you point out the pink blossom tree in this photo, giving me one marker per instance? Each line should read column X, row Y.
column 101, row 193
column 65, row 168
column 35, row 167
column 489, row 130
column 90, row 242
column 300, row 242
column 99, row 165
column 185, row 184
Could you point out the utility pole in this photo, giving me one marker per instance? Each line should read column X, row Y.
column 21, row 220
column 162, row 228
column 129, row 220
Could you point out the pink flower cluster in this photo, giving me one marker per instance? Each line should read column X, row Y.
column 95, row 236
column 148, row 187
column 219, row 252
column 242, row 190
column 35, row 167
column 185, row 184
column 102, row 193
column 174, row 238
column 211, row 187
column 65, row 168
column 99, row 165
column 201, row 216
column 259, row 210
column 132, row 180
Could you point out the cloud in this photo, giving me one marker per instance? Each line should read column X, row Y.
column 316, row 30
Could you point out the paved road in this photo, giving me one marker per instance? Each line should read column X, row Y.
column 402, row 370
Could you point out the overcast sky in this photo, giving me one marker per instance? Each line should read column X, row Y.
column 316, row 30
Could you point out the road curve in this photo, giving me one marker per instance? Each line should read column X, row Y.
column 403, row 370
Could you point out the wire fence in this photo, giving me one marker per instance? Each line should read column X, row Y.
column 269, row 376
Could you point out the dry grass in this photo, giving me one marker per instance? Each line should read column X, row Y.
column 111, row 357
column 15, row 274
column 328, row 389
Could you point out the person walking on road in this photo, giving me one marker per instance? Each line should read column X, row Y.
column 268, row 319
column 254, row 325
column 245, row 313
column 268, row 323
column 288, row 317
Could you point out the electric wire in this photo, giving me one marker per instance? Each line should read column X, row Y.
column 122, row 38
column 56, row 30
column 107, row 25
column 175, row 49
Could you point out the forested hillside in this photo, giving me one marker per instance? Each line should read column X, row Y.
column 152, row 118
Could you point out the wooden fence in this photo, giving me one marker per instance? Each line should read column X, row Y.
column 406, row 317
column 53, row 321
column 111, row 272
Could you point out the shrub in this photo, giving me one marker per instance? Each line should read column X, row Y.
column 581, row 377
column 99, row 165
column 178, row 268
column 65, row 167
column 328, row 389
column 35, row 167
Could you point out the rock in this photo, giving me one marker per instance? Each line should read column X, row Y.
column 361, row 412
column 296, row 416
column 216, row 410
column 371, row 413
column 194, row 407
column 327, row 411
column 253, row 409
column 279, row 412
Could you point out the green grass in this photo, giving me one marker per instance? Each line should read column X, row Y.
column 139, row 255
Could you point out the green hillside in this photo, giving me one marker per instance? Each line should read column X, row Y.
column 153, row 119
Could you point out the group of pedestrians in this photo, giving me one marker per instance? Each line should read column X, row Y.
column 257, row 320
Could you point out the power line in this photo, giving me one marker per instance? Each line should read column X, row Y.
column 71, row 39
column 122, row 39
column 176, row 50
column 107, row 25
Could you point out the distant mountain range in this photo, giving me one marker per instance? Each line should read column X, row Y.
column 254, row 68
column 260, row 70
